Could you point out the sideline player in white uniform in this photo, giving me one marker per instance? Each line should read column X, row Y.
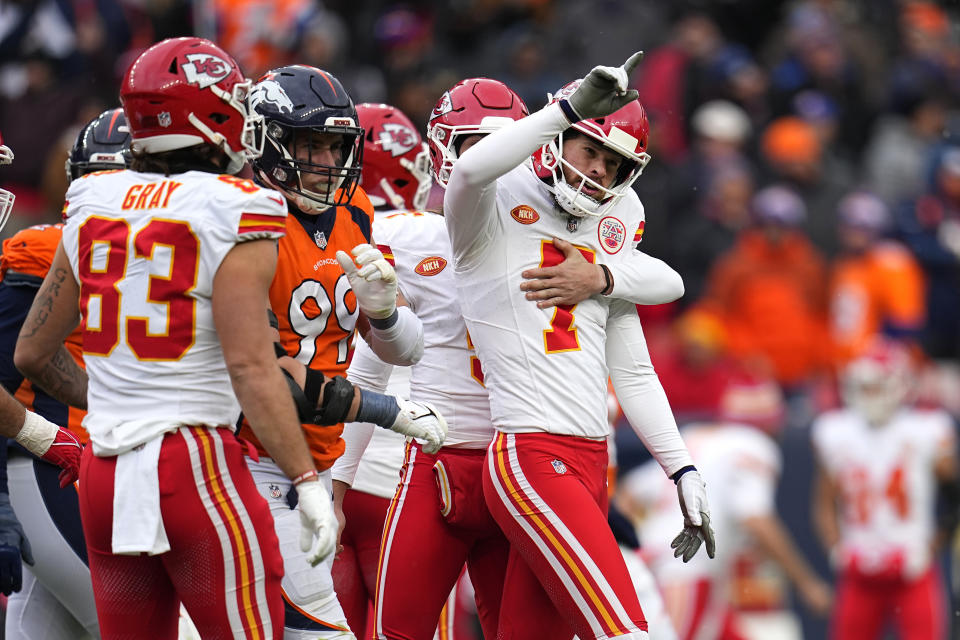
column 546, row 370
column 169, row 265
column 741, row 465
column 880, row 461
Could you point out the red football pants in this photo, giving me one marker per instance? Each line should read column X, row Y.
column 224, row 561
column 865, row 605
column 438, row 521
column 355, row 568
column 566, row 573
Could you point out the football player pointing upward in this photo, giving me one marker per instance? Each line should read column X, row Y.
column 546, row 369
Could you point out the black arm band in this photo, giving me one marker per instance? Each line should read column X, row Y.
column 305, row 408
column 337, row 398
column 313, row 385
column 385, row 323
column 568, row 111
column 677, row 474
column 608, row 281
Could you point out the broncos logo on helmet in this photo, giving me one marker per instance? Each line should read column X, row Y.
column 270, row 91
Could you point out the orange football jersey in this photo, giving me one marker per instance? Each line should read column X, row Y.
column 27, row 256
column 315, row 306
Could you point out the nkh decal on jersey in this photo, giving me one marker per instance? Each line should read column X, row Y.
column 612, row 234
column 524, row 214
column 430, row 266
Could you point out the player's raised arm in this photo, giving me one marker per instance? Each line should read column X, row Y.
column 645, row 404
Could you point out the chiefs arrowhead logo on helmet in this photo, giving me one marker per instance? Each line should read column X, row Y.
column 271, row 92
column 205, row 69
column 445, row 105
column 397, row 138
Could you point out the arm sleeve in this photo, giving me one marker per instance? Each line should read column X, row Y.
column 401, row 343
column 369, row 372
column 643, row 279
column 469, row 202
column 639, row 391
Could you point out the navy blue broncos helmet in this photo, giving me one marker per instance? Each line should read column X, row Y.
column 297, row 102
column 103, row 143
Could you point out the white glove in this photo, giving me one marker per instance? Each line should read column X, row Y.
column 372, row 279
column 421, row 421
column 696, row 518
column 605, row 90
column 318, row 524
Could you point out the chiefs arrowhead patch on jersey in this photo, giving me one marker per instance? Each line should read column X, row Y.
column 524, row 214
column 612, row 234
column 430, row 266
column 205, row 69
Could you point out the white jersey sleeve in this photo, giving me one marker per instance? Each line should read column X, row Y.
column 639, row 391
column 145, row 249
column 468, row 203
column 643, row 279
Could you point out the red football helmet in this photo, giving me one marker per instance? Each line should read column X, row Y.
column 625, row 131
column 6, row 198
column 186, row 91
column 878, row 381
column 475, row 105
column 396, row 162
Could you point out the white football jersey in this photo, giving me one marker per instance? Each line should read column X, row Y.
column 740, row 466
column 888, row 485
column 449, row 376
column 545, row 369
column 145, row 249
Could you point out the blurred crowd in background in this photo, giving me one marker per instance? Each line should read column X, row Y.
column 805, row 178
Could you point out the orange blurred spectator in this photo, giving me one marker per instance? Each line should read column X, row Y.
column 261, row 34
column 876, row 285
column 770, row 289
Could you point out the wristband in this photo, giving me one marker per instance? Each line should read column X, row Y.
column 37, row 433
column 607, row 279
column 384, row 323
column 679, row 473
column 569, row 111
column 306, row 475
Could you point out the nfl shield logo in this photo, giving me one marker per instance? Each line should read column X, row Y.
column 164, row 119
column 320, row 238
column 275, row 491
column 559, row 467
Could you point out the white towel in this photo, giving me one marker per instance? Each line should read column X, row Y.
column 137, row 522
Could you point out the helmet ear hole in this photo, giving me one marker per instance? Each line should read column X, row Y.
column 173, row 66
column 219, row 118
